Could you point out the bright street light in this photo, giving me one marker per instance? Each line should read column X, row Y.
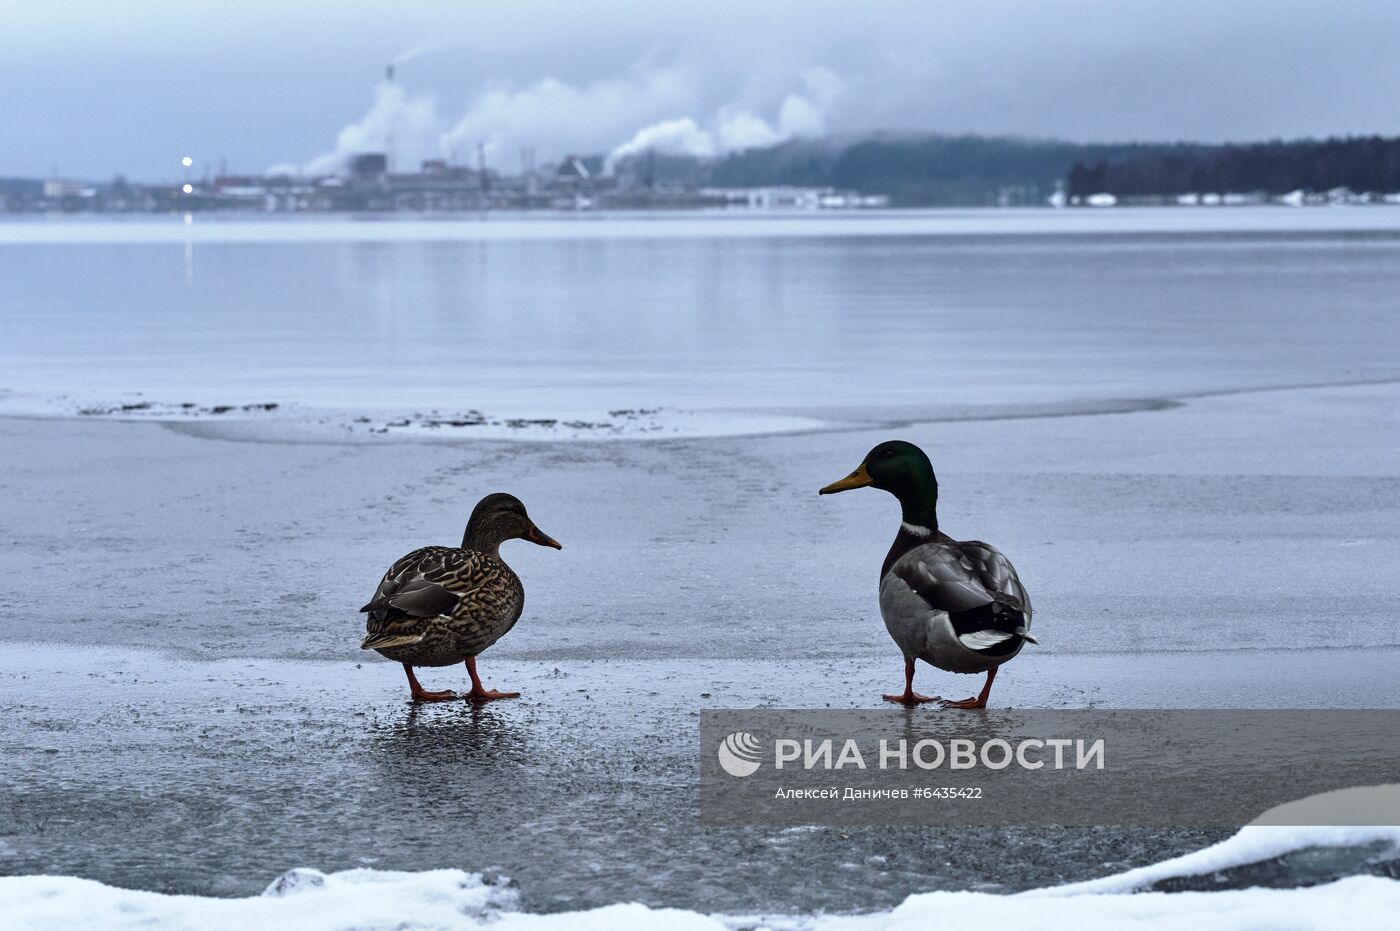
column 187, row 161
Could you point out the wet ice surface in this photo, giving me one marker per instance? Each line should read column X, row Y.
column 1230, row 551
column 207, row 777
column 1250, row 522
column 181, row 707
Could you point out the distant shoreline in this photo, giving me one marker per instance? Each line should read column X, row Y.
column 59, row 229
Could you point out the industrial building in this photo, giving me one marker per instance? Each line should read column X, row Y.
column 368, row 185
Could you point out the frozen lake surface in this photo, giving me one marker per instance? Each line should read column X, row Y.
column 1113, row 403
column 196, row 716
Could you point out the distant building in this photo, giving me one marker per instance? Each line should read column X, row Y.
column 572, row 169
column 795, row 198
column 369, row 165
column 367, row 184
column 572, row 182
column 57, row 188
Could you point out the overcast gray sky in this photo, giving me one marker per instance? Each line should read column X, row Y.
column 94, row 88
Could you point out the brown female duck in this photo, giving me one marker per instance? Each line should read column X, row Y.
column 439, row 606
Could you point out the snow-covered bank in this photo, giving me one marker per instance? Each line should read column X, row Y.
column 1362, row 903
column 449, row 900
column 1254, row 845
column 306, row 900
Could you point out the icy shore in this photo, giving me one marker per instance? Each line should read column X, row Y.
column 201, row 700
column 446, row 900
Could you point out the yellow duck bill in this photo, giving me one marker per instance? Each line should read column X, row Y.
column 857, row 479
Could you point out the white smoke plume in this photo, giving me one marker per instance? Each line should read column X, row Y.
column 556, row 119
column 404, row 126
column 429, row 48
column 735, row 128
column 672, row 137
column 553, row 118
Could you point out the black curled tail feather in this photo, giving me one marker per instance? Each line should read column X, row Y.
column 993, row 629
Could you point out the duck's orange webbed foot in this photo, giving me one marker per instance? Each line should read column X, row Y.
column 479, row 692
column 419, row 694
column 972, row 703
column 488, row 695
column 910, row 699
column 425, row 696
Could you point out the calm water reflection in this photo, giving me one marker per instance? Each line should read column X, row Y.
column 576, row 325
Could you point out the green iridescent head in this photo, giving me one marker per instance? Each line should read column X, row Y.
column 903, row 470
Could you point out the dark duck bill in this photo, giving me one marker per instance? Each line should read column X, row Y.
column 540, row 538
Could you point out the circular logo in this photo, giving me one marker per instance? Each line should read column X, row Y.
column 739, row 754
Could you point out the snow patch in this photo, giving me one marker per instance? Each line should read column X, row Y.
column 296, row 420
column 1361, row 902
column 308, row 900
column 1251, row 845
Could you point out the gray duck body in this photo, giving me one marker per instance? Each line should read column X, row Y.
column 956, row 605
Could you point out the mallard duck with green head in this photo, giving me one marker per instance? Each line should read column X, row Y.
column 957, row 605
column 443, row 605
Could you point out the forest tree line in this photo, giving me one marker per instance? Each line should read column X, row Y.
column 1364, row 164
column 921, row 170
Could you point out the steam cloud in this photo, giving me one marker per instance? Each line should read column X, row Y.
column 558, row 118
column 406, row 127
column 735, row 128
column 554, row 118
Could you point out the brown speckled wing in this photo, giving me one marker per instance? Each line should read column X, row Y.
column 427, row 583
